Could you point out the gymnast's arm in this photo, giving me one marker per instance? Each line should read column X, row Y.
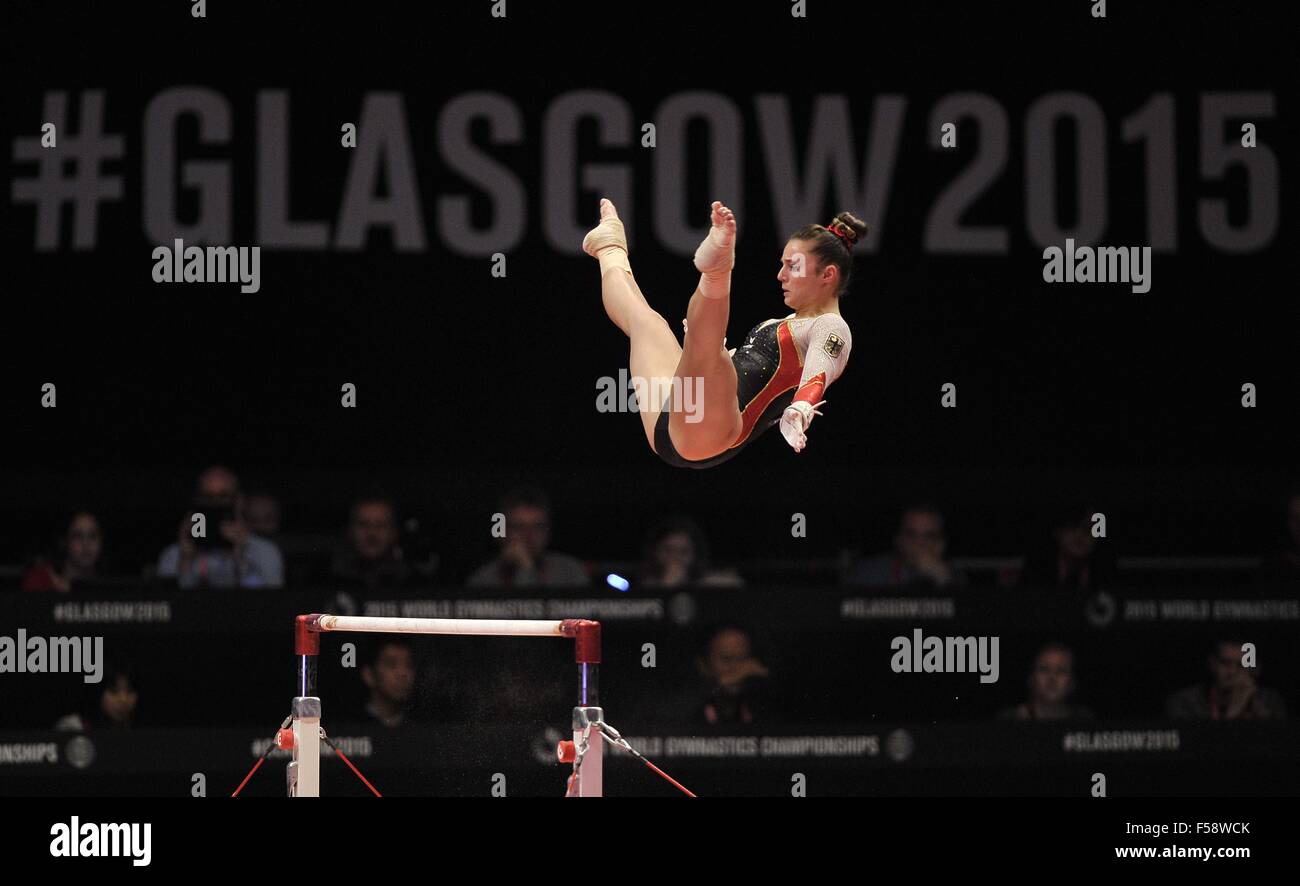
column 829, row 343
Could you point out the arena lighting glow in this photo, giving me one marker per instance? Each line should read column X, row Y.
column 617, row 582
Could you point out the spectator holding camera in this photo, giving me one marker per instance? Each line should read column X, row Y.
column 226, row 553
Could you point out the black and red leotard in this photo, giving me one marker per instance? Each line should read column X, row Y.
column 781, row 361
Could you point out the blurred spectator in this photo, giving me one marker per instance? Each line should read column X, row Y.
column 1073, row 560
column 371, row 556
column 732, row 687
column 262, row 514
column 114, row 704
column 389, row 675
column 676, row 553
column 524, row 559
column 77, row 559
column 1233, row 692
column 1051, row 683
column 1284, row 566
column 230, row 555
column 918, row 557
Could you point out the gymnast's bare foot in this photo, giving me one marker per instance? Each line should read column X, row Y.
column 717, row 254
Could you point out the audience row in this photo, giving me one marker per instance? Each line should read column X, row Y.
column 229, row 539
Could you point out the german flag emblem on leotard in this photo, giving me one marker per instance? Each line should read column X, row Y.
column 834, row 344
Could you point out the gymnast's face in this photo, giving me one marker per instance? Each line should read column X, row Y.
column 803, row 282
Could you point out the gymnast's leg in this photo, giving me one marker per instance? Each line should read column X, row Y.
column 715, row 421
column 654, row 349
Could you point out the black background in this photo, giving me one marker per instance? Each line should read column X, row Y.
column 469, row 383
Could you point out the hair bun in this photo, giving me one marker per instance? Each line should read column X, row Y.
column 849, row 228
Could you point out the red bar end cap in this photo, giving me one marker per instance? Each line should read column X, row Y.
column 586, row 636
column 306, row 641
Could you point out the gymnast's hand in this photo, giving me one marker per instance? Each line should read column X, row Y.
column 795, row 421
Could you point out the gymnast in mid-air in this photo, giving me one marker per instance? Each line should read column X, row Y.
column 716, row 401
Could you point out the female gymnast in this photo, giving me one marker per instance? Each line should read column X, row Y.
column 717, row 400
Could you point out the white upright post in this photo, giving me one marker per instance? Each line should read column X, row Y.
column 304, row 771
column 590, row 782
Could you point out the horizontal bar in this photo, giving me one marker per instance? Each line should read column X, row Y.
column 479, row 627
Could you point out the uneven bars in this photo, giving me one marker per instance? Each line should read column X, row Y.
column 304, row 770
